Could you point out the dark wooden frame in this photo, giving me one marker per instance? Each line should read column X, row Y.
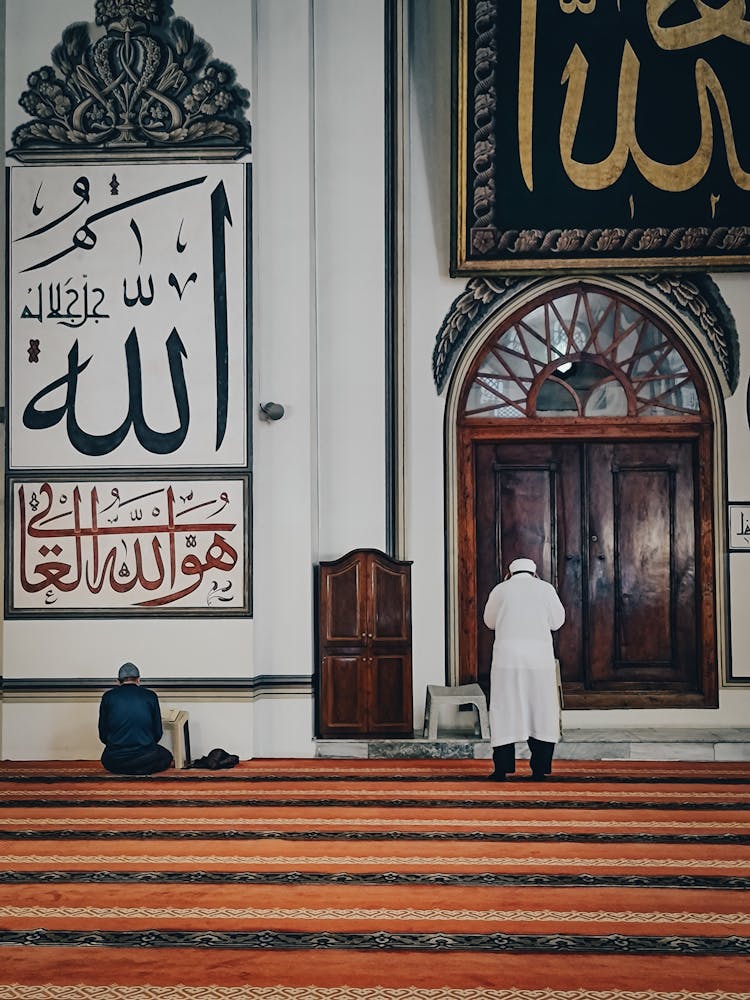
column 699, row 429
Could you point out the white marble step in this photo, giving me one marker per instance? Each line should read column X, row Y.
column 576, row 744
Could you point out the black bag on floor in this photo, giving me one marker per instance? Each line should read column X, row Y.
column 216, row 760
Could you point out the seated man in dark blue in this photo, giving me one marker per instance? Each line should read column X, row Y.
column 130, row 727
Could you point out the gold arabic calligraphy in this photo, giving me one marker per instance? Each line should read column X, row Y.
column 727, row 21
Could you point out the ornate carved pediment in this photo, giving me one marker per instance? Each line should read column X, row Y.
column 147, row 88
column 695, row 296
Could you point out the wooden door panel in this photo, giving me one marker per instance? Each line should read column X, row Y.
column 525, row 494
column 390, row 695
column 642, row 593
column 525, row 504
column 391, row 603
column 344, row 695
column 569, row 641
column 343, row 603
column 643, row 501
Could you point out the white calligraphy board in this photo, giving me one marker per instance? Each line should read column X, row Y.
column 128, row 317
column 84, row 546
column 739, row 527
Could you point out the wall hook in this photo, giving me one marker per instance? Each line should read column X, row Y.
column 271, row 411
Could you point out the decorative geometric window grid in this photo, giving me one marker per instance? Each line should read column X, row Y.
column 583, row 353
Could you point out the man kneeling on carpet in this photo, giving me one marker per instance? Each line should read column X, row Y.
column 524, row 700
column 130, row 727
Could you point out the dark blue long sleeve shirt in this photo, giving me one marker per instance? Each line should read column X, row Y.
column 129, row 718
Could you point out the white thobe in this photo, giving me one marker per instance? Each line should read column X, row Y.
column 524, row 700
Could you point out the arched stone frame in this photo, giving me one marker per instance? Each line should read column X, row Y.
column 695, row 314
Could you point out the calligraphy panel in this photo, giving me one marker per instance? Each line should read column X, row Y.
column 128, row 317
column 600, row 134
column 739, row 527
column 86, row 547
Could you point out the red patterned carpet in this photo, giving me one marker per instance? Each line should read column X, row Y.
column 375, row 880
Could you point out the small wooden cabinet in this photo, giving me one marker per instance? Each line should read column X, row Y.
column 364, row 646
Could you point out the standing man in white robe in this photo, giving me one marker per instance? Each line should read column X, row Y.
column 524, row 701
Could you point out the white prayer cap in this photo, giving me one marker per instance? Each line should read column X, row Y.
column 522, row 566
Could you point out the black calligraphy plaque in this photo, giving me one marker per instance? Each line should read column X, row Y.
column 601, row 134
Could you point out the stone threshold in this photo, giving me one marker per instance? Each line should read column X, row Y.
column 577, row 744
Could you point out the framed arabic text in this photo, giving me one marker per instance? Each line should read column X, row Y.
column 87, row 547
column 128, row 342
column 595, row 134
column 739, row 527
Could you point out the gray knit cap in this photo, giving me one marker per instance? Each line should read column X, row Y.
column 127, row 672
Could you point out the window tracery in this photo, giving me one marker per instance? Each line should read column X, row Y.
column 583, row 353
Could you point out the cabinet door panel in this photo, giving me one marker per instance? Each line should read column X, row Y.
column 344, row 604
column 390, row 695
column 389, row 604
column 344, row 695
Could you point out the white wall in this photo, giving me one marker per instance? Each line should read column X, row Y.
column 350, row 256
column 319, row 472
column 318, row 348
column 429, row 294
column 285, row 349
column 64, row 729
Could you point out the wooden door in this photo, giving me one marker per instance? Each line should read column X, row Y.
column 614, row 526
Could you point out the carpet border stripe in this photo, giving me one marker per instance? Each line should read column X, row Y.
column 589, row 944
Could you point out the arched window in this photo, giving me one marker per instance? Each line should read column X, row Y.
column 586, row 353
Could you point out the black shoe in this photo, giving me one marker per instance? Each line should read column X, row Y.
column 537, row 776
column 498, row 776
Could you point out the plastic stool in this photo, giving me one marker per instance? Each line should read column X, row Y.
column 463, row 694
column 176, row 724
